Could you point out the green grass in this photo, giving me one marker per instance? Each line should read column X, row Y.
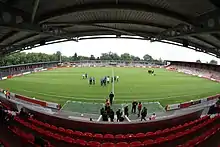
column 65, row 84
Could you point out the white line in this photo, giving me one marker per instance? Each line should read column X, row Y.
column 113, row 83
column 91, row 98
column 65, row 105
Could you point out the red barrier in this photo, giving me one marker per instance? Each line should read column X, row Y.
column 185, row 105
column 9, row 77
column 41, row 103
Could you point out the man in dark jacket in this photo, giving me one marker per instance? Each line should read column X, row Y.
column 112, row 115
column 134, row 106
column 126, row 110
column 144, row 114
column 111, row 97
column 119, row 114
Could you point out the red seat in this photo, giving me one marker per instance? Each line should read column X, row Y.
column 87, row 134
column 69, row 139
column 53, row 127
column 108, row 144
column 47, row 125
column 136, row 144
column 57, row 136
column 78, row 133
column 140, row 135
column 81, row 142
column 94, row 144
column 100, row 136
column 108, row 136
column 61, row 129
column 149, row 134
column 119, row 136
column 129, row 136
column 122, row 144
column 68, row 131
column 148, row 142
column 160, row 139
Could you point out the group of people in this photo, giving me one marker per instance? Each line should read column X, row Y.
column 103, row 81
column 106, row 80
column 92, row 81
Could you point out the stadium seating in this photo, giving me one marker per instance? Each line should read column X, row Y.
column 114, row 128
column 121, row 137
column 157, row 141
column 198, row 140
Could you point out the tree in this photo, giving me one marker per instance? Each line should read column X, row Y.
column 75, row 57
column 58, row 55
column 92, row 57
column 148, row 58
column 198, row 61
column 213, row 62
column 125, row 57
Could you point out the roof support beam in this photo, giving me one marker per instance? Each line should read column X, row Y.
column 107, row 22
column 18, row 20
column 122, row 5
column 207, row 42
column 36, row 3
column 206, row 23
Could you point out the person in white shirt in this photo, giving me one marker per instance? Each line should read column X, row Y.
column 117, row 78
column 83, row 76
column 108, row 80
column 153, row 116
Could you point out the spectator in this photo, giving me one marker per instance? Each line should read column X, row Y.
column 139, row 109
column 134, row 106
column 23, row 114
column 144, row 114
column 90, row 119
column 126, row 110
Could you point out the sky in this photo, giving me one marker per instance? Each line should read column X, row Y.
column 135, row 47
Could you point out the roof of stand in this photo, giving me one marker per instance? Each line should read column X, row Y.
column 25, row 24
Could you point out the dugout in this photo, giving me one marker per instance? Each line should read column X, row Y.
column 22, row 68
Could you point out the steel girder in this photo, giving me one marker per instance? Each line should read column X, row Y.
column 18, row 20
column 121, row 5
column 206, row 23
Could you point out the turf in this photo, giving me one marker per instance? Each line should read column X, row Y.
column 65, row 84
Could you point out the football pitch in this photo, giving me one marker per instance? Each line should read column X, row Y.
column 63, row 84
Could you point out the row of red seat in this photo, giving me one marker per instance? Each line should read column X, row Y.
column 120, row 137
column 26, row 137
column 198, row 140
column 158, row 141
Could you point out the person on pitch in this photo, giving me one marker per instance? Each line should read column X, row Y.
column 86, row 75
column 83, row 76
column 119, row 114
column 126, row 110
column 144, row 114
column 93, row 80
column 111, row 97
column 139, row 109
column 90, row 81
column 117, row 78
column 108, row 80
column 134, row 106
